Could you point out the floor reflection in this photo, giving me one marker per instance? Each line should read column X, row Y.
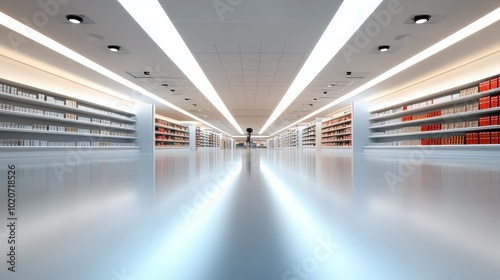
column 256, row 214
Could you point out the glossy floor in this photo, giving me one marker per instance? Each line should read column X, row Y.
column 253, row 215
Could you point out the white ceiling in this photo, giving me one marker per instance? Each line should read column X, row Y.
column 251, row 53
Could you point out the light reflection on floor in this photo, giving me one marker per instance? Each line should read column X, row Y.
column 255, row 214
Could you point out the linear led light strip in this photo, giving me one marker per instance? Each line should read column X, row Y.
column 458, row 36
column 38, row 37
column 150, row 15
column 348, row 19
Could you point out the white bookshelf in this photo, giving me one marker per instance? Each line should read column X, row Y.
column 444, row 120
column 170, row 135
column 33, row 119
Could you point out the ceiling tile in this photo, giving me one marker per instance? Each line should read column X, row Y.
column 229, row 57
column 234, row 73
column 288, row 65
column 250, row 65
column 251, row 84
column 292, row 57
column 237, row 79
column 218, row 79
column 272, row 48
column 266, row 79
column 213, row 66
column 232, row 65
column 216, row 73
column 236, row 84
column 265, row 83
column 208, row 56
column 227, row 47
column 266, row 73
column 250, row 57
column 285, row 73
column 247, row 73
column 278, row 83
column 263, row 89
column 250, row 47
column 270, row 57
column 268, row 66
column 251, row 79
column 282, row 79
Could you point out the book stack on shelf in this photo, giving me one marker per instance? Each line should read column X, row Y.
column 198, row 137
column 337, row 131
column 294, row 138
column 34, row 119
column 171, row 135
column 309, row 136
column 467, row 117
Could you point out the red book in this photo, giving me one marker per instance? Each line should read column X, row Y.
column 484, row 86
column 484, row 103
column 494, row 120
column 494, row 101
column 494, row 137
column 494, row 83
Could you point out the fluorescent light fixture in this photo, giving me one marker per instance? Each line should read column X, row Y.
column 149, row 14
column 449, row 41
column 43, row 40
column 339, row 31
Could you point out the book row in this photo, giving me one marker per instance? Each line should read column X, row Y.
column 45, row 127
column 42, row 143
column 7, row 89
column 69, row 116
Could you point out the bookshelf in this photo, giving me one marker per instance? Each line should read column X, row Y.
column 337, row 131
column 309, row 136
column 36, row 119
column 209, row 139
column 467, row 117
column 170, row 135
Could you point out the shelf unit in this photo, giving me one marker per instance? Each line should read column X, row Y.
column 32, row 117
column 337, row 131
column 309, row 136
column 210, row 139
column 465, row 118
column 170, row 135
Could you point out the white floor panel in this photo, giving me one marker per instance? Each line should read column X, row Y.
column 252, row 214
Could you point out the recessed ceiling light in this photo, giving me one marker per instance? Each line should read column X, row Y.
column 325, row 92
column 420, row 19
column 74, row 19
column 348, row 74
column 331, row 85
column 164, row 85
column 199, row 110
column 384, row 48
column 114, row 48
